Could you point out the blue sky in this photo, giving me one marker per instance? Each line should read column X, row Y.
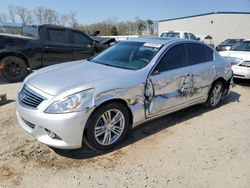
column 95, row 11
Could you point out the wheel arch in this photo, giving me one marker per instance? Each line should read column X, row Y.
column 224, row 82
column 115, row 100
column 15, row 54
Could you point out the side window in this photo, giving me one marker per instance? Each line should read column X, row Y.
column 80, row 39
column 56, row 35
column 209, row 53
column 185, row 35
column 198, row 53
column 192, row 36
column 174, row 58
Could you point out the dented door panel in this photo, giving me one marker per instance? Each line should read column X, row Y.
column 202, row 76
column 171, row 90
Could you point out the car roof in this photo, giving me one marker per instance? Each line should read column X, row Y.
column 159, row 40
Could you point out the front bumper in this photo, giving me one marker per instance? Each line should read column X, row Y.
column 64, row 131
column 241, row 72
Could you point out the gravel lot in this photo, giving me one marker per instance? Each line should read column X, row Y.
column 191, row 148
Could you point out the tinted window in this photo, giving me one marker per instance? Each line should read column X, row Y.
column 209, row 53
column 58, row 36
column 192, row 36
column 30, row 31
column 185, row 35
column 174, row 58
column 79, row 38
column 198, row 53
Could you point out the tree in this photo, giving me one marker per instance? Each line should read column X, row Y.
column 114, row 31
column 12, row 13
column 25, row 15
column 72, row 20
column 3, row 18
column 39, row 15
column 150, row 29
column 141, row 27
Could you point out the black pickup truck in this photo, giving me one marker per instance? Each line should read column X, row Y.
column 40, row 46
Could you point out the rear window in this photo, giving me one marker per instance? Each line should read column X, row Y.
column 171, row 34
column 30, row 31
column 198, row 53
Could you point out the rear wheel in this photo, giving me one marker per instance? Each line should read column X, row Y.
column 13, row 69
column 215, row 94
column 107, row 126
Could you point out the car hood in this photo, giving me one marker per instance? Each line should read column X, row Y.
column 82, row 74
column 236, row 54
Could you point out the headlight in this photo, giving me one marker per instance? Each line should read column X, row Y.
column 71, row 103
column 233, row 60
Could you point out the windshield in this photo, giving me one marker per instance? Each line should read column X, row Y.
column 171, row 34
column 128, row 55
column 242, row 46
column 230, row 42
column 30, row 31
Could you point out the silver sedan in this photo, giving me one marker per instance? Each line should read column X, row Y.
column 96, row 101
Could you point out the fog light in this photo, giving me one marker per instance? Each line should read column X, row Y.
column 51, row 134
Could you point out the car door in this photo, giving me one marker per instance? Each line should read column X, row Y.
column 82, row 45
column 202, row 67
column 170, row 83
column 56, row 48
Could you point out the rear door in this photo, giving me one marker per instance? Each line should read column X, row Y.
column 169, row 85
column 82, row 45
column 56, row 48
column 202, row 67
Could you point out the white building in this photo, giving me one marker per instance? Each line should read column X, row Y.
column 219, row 25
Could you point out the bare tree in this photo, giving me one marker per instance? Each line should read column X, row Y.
column 25, row 15
column 12, row 13
column 64, row 19
column 3, row 18
column 39, row 15
column 72, row 20
column 51, row 16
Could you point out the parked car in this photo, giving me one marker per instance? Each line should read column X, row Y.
column 179, row 34
column 227, row 44
column 44, row 45
column 239, row 57
column 99, row 99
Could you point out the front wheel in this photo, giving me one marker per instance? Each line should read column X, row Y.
column 215, row 94
column 13, row 69
column 107, row 126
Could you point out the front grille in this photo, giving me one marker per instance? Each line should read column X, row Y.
column 29, row 98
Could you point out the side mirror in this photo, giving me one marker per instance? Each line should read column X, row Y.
column 198, row 38
column 156, row 71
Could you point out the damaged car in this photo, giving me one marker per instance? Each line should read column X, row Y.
column 96, row 101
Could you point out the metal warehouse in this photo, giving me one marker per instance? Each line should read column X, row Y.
column 219, row 25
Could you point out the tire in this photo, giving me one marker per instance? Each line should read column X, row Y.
column 215, row 95
column 13, row 69
column 103, row 135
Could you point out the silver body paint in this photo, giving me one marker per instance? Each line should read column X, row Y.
column 146, row 95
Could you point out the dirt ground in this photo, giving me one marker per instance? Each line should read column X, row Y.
column 192, row 148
